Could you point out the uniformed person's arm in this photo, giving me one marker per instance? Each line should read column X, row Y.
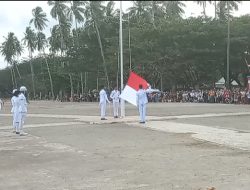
column 112, row 95
column 106, row 97
column 137, row 99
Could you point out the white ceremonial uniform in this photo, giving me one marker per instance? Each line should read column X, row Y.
column 115, row 97
column 15, row 112
column 22, row 111
column 103, row 102
column 1, row 104
column 142, row 100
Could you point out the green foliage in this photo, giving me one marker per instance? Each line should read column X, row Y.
column 164, row 47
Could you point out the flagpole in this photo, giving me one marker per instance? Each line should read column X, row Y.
column 121, row 61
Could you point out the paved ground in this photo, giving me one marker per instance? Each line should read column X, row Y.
column 182, row 146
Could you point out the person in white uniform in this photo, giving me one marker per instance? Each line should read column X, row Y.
column 103, row 102
column 15, row 111
column 1, row 104
column 12, row 110
column 142, row 100
column 116, row 100
column 22, row 109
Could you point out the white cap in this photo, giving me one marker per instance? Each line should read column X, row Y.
column 23, row 88
column 14, row 91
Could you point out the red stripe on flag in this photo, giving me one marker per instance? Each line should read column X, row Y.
column 135, row 80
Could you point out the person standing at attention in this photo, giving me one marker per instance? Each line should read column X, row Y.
column 103, row 102
column 22, row 109
column 142, row 100
column 15, row 111
column 13, row 108
column 115, row 98
column 1, row 104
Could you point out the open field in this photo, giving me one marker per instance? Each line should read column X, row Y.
column 182, row 146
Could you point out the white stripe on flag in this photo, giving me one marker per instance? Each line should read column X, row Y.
column 129, row 94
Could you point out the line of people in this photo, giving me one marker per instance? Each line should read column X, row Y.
column 19, row 109
column 141, row 100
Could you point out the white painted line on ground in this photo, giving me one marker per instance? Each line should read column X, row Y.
column 225, row 137
column 44, row 125
column 97, row 118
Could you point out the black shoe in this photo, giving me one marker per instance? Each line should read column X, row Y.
column 17, row 133
column 116, row 117
column 142, row 122
column 103, row 119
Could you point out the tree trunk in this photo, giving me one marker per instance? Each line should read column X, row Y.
column 153, row 15
column 215, row 10
column 228, row 45
column 85, row 81
column 77, row 41
column 12, row 78
column 71, row 87
column 129, row 45
column 82, row 83
column 32, row 75
column 100, row 44
column 18, row 71
column 61, row 34
column 50, row 78
column 204, row 9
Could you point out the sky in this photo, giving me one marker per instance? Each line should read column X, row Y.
column 15, row 17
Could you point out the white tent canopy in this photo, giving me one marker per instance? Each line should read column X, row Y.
column 234, row 83
column 221, row 83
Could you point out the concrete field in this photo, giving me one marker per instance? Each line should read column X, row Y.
column 184, row 146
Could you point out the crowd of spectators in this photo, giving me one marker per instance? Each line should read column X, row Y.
column 236, row 96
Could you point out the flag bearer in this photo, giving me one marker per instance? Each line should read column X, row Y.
column 142, row 100
column 103, row 102
column 115, row 98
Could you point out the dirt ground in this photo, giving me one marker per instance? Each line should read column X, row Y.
column 184, row 146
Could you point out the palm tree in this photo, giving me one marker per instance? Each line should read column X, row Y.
column 156, row 10
column 55, row 39
column 215, row 10
column 59, row 12
column 173, row 9
column 139, row 8
column 41, row 44
column 10, row 49
column 77, row 11
column 226, row 7
column 30, row 41
column 109, row 9
column 39, row 18
column 203, row 4
column 94, row 13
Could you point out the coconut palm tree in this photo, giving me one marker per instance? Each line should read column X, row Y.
column 59, row 12
column 203, row 4
column 95, row 12
column 226, row 7
column 41, row 44
column 30, row 41
column 77, row 11
column 156, row 10
column 39, row 19
column 173, row 9
column 10, row 49
column 139, row 9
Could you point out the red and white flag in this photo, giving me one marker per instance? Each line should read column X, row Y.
column 132, row 86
